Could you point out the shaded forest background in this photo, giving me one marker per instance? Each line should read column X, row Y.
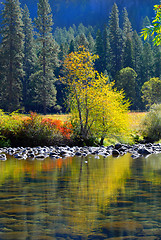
column 31, row 60
column 94, row 12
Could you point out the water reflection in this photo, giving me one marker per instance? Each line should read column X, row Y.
column 80, row 198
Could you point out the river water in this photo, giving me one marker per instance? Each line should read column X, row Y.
column 82, row 198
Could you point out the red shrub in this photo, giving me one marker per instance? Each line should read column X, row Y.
column 64, row 128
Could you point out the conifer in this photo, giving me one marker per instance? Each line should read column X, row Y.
column 148, row 63
column 12, row 56
column 48, row 58
column 29, row 60
column 127, row 60
column 106, row 51
column 99, row 51
column 115, row 37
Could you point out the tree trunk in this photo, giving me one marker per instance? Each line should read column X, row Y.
column 102, row 140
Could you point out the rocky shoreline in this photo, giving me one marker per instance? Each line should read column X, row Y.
column 54, row 152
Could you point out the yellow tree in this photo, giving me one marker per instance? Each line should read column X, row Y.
column 96, row 108
column 110, row 113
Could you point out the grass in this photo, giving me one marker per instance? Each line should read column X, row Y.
column 62, row 117
column 136, row 119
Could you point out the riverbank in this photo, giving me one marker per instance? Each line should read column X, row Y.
column 55, row 152
column 39, row 130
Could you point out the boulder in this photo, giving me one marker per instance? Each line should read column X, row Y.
column 144, row 151
column 115, row 153
column 78, row 154
column 118, row 145
column 3, row 157
column 41, row 156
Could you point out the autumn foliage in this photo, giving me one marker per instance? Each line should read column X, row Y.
column 97, row 108
column 33, row 130
column 65, row 128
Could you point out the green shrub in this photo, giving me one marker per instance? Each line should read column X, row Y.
column 9, row 125
column 4, row 142
column 151, row 125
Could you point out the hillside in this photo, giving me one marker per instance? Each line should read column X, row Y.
column 93, row 12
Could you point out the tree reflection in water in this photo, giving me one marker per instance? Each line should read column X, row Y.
column 73, row 193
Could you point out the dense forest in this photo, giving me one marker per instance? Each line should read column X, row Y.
column 32, row 52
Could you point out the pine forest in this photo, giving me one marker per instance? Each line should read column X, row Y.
column 32, row 54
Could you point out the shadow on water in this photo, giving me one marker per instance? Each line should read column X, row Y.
column 81, row 198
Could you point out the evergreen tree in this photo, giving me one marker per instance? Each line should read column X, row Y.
column 106, row 51
column 148, row 63
column 90, row 30
column 58, row 36
column 137, row 66
column 91, row 43
column 99, row 51
column 62, row 52
column 146, row 23
column 115, row 37
column 127, row 41
column 137, row 52
column 81, row 29
column 72, row 47
column 60, row 87
column 64, row 32
column 29, row 62
column 45, row 89
column 128, row 53
column 157, row 61
column 81, row 40
column 74, row 29
column 127, row 27
column 12, row 55
column 71, row 32
column 1, row 76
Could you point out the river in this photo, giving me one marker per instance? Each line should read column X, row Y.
column 81, row 198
